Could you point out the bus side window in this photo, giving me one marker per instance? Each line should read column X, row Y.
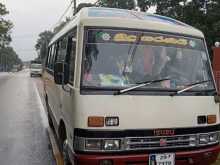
column 52, row 57
column 62, row 48
column 70, row 58
column 48, row 58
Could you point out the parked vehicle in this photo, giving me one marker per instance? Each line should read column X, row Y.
column 126, row 87
column 35, row 69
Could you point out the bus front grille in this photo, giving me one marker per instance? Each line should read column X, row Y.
column 150, row 143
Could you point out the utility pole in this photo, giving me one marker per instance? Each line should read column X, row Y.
column 74, row 6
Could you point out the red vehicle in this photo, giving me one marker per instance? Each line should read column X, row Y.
column 216, row 66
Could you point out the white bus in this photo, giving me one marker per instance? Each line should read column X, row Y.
column 125, row 87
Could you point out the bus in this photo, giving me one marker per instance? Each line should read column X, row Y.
column 125, row 87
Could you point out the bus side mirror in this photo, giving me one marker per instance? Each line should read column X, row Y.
column 61, row 74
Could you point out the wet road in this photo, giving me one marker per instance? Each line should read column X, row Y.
column 23, row 136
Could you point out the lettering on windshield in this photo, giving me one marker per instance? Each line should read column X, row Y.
column 158, row 39
column 123, row 37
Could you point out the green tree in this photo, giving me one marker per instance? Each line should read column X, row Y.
column 125, row 4
column 5, row 27
column 42, row 43
column 8, row 59
column 122, row 4
column 192, row 13
column 8, row 56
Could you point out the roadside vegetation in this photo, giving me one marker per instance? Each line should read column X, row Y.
column 8, row 56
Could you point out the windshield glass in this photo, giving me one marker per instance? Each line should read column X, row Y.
column 119, row 59
column 36, row 66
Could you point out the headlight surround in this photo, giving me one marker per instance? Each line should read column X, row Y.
column 209, row 138
column 213, row 137
column 93, row 144
column 110, row 144
column 102, row 144
column 203, row 139
column 193, row 141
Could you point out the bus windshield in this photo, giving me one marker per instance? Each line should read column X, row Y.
column 121, row 58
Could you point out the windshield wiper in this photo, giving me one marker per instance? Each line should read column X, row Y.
column 139, row 85
column 190, row 86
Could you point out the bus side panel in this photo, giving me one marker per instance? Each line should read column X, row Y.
column 53, row 95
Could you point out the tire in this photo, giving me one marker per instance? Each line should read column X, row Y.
column 66, row 160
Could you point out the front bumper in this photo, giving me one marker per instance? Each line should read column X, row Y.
column 197, row 157
column 36, row 73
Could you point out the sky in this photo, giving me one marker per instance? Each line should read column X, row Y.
column 30, row 18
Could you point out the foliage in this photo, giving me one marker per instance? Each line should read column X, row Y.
column 5, row 27
column 8, row 58
column 42, row 43
column 125, row 4
column 192, row 13
column 122, row 4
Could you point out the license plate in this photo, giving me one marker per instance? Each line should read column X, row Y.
column 162, row 159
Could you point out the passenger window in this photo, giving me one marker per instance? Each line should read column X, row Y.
column 62, row 48
column 48, row 58
column 71, row 54
column 52, row 58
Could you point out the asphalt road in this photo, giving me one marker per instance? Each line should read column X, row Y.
column 23, row 124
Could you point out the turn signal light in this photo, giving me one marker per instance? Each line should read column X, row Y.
column 211, row 119
column 96, row 121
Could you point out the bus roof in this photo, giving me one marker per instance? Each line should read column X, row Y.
column 121, row 18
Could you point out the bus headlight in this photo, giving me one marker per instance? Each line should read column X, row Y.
column 102, row 144
column 209, row 138
column 111, row 144
column 213, row 137
column 203, row 139
column 93, row 144
column 192, row 141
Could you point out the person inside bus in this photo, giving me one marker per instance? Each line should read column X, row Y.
column 176, row 68
column 142, row 64
column 102, row 70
